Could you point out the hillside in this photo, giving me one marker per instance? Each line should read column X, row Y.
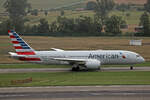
column 59, row 3
column 131, row 1
column 47, row 4
column 128, row 1
column 51, row 3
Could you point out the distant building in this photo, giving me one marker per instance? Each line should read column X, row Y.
column 136, row 42
column 80, row 9
column 138, row 28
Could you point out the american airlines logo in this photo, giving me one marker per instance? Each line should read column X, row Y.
column 103, row 56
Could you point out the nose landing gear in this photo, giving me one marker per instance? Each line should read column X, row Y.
column 131, row 67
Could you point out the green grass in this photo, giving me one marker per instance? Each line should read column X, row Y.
column 1, row 5
column 146, row 64
column 5, row 66
column 77, row 78
column 50, row 3
column 133, row 19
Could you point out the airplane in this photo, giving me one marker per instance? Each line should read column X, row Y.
column 78, row 59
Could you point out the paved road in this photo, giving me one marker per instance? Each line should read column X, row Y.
column 138, row 92
column 23, row 70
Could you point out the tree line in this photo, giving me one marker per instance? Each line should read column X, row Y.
column 99, row 25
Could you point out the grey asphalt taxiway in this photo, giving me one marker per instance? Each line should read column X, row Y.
column 125, row 92
column 23, row 70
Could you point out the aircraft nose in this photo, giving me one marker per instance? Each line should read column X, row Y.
column 141, row 60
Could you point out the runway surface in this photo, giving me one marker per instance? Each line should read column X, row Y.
column 23, row 70
column 125, row 92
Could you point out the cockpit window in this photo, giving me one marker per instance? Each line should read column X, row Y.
column 137, row 55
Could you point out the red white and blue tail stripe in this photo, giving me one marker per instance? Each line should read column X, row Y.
column 23, row 51
column 21, row 47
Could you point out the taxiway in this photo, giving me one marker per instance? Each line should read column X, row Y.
column 125, row 92
column 23, row 70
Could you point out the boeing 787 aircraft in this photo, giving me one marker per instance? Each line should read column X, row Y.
column 78, row 59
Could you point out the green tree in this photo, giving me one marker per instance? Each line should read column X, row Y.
column 123, row 7
column 46, row 12
column 112, row 25
column 35, row 12
column 65, row 24
column 5, row 26
column 43, row 27
column 62, row 13
column 103, row 7
column 53, row 27
column 145, row 22
column 97, row 25
column 83, row 24
column 147, row 6
column 17, row 10
column 91, row 5
column 87, row 25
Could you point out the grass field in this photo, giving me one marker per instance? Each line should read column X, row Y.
column 45, row 4
column 133, row 19
column 141, row 2
column 78, row 78
column 75, row 43
column 131, row 1
column 5, row 66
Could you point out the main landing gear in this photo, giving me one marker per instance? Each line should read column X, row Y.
column 75, row 67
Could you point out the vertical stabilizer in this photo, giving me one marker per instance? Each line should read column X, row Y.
column 21, row 47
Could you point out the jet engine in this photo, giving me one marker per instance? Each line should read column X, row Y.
column 93, row 64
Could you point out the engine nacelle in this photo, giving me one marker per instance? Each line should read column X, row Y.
column 93, row 64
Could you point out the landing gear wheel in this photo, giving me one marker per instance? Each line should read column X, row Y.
column 131, row 67
column 75, row 68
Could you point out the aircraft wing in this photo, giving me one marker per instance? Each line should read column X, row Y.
column 55, row 49
column 81, row 61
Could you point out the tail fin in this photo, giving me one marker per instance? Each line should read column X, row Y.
column 21, row 47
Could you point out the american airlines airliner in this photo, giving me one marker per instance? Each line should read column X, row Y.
column 78, row 59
